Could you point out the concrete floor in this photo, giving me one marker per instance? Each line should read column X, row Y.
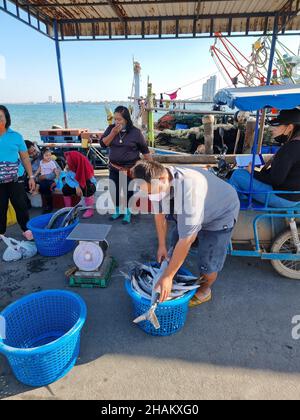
column 239, row 346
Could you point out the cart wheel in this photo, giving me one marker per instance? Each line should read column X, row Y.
column 284, row 244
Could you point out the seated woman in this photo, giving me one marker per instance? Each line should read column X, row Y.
column 282, row 172
column 79, row 181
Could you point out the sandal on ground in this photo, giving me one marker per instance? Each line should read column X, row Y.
column 197, row 301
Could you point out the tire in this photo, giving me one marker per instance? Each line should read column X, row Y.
column 284, row 244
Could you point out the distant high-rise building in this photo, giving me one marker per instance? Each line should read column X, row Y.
column 50, row 99
column 209, row 89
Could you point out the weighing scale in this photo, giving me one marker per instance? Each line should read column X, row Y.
column 93, row 267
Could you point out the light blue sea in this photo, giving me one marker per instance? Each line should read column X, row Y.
column 30, row 119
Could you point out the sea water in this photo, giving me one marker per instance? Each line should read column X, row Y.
column 29, row 119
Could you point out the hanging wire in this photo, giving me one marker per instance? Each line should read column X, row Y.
column 194, row 82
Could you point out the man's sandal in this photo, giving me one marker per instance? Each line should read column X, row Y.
column 197, row 301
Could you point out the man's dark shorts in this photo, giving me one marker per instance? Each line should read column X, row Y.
column 212, row 249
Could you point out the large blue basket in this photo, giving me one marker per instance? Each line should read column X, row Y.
column 41, row 339
column 171, row 314
column 51, row 242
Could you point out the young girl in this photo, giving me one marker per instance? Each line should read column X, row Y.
column 47, row 167
column 80, row 181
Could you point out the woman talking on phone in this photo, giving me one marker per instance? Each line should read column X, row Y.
column 126, row 143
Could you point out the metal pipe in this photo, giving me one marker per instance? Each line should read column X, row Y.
column 60, row 73
column 271, row 61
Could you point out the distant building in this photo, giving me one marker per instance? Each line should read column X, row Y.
column 50, row 99
column 209, row 89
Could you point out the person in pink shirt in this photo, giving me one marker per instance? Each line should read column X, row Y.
column 47, row 167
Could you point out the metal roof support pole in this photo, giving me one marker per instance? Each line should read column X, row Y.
column 269, row 76
column 60, row 73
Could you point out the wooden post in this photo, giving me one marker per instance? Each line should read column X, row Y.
column 249, row 135
column 196, row 159
column 208, row 122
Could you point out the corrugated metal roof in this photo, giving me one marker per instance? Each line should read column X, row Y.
column 160, row 18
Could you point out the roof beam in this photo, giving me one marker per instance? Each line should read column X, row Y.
column 40, row 18
column 174, row 18
column 104, row 3
column 119, row 11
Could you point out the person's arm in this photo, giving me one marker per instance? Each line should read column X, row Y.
column 73, row 183
column 162, row 231
column 27, row 165
column 109, row 135
column 179, row 255
column 37, row 172
column 143, row 147
column 281, row 165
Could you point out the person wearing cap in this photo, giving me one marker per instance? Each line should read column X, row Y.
column 282, row 172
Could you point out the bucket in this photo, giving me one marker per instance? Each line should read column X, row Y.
column 41, row 338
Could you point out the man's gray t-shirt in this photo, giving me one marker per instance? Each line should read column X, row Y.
column 202, row 201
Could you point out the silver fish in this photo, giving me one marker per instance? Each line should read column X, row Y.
column 184, row 287
column 186, row 279
column 72, row 215
column 56, row 216
column 137, row 288
column 150, row 316
column 144, row 285
column 144, row 279
column 69, row 215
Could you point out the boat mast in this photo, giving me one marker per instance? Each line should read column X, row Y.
column 137, row 91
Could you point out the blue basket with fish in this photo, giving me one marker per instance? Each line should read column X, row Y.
column 41, row 338
column 170, row 316
column 52, row 242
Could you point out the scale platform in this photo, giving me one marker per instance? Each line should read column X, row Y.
column 90, row 232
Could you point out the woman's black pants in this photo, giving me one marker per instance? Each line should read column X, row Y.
column 121, row 181
column 88, row 191
column 15, row 192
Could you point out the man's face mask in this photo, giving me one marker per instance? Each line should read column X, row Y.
column 162, row 193
column 156, row 198
column 2, row 127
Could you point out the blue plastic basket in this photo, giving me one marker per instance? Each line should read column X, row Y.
column 171, row 314
column 42, row 335
column 51, row 242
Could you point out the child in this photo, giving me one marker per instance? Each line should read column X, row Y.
column 79, row 181
column 47, row 167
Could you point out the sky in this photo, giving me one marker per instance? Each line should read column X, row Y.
column 101, row 71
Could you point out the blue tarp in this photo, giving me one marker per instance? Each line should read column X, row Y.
column 253, row 99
